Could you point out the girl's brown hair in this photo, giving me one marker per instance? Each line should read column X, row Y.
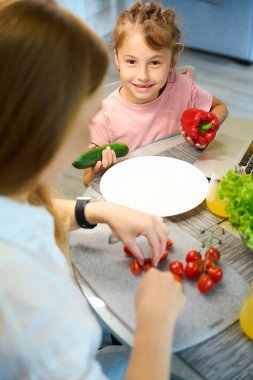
column 50, row 63
column 159, row 26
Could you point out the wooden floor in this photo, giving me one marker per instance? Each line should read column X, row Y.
column 225, row 78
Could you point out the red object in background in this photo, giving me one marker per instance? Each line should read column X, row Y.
column 135, row 267
column 178, row 279
column 216, row 273
column 169, row 243
column 176, row 267
column 213, row 253
column 147, row 264
column 191, row 270
column 164, row 256
column 127, row 252
column 199, row 125
column 205, row 283
column 192, row 255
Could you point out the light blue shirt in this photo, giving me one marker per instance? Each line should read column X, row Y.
column 46, row 327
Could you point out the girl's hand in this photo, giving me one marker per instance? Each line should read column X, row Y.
column 189, row 140
column 127, row 224
column 108, row 159
column 159, row 299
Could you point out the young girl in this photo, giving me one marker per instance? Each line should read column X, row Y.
column 152, row 97
column 52, row 71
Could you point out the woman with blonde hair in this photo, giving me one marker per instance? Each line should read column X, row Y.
column 52, row 71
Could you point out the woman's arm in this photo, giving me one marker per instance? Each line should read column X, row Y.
column 159, row 301
column 126, row 224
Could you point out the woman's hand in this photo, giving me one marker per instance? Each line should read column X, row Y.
column 159, row 300
column 127, row 224
column 161, row 290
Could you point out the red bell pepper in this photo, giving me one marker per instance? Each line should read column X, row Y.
column 199, row 125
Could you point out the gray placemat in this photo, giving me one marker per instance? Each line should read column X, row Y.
column 106, row 269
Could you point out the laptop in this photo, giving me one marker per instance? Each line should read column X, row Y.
column 233, row 145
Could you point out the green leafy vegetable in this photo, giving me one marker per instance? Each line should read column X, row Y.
column 237, row 191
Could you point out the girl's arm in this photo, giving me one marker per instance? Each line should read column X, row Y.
column 219, row 109
column 126, row 225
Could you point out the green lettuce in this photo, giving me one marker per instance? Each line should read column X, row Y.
column 237, row 191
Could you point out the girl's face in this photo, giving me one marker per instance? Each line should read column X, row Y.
column 143, row 71
column 77, row 140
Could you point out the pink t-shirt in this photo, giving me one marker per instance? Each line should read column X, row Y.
column 140, row 124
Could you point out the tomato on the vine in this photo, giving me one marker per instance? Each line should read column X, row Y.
column 213, row 253
column 209, row 263
column 135, row 267
column 216, row 273
column 192, row 256
column 205, row 264
column 177, row 268
column 191, row 270
column 205, row 283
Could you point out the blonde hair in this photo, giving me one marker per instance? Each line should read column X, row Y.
column 158, row 25
column 50, row 63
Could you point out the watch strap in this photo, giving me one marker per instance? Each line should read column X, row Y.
column 81, row 203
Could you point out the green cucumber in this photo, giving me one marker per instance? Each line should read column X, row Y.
column 89, row 158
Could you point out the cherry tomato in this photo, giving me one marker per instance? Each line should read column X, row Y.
column 127, row 252
column 209, row 263
column 177, row 268
column 201, row 265
column 205, row 264
column 205, row 283
column 191, row 269
column 135, row 267
column 147, row 264
column 213, row 253
column 192, row 256
column 216, row 273
column 164, row 256
column 178, row 279
column 169, row 243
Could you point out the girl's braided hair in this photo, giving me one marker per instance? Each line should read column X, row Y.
column 158, row 26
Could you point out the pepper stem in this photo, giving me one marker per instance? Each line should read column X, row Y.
column 203, row 127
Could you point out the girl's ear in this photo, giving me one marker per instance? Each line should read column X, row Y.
column 116, row 58
column 177, row 51
column 174, row 60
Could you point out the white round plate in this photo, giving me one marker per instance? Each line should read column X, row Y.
column 161, row 186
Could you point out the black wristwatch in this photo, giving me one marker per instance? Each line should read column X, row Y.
column 81, row 202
